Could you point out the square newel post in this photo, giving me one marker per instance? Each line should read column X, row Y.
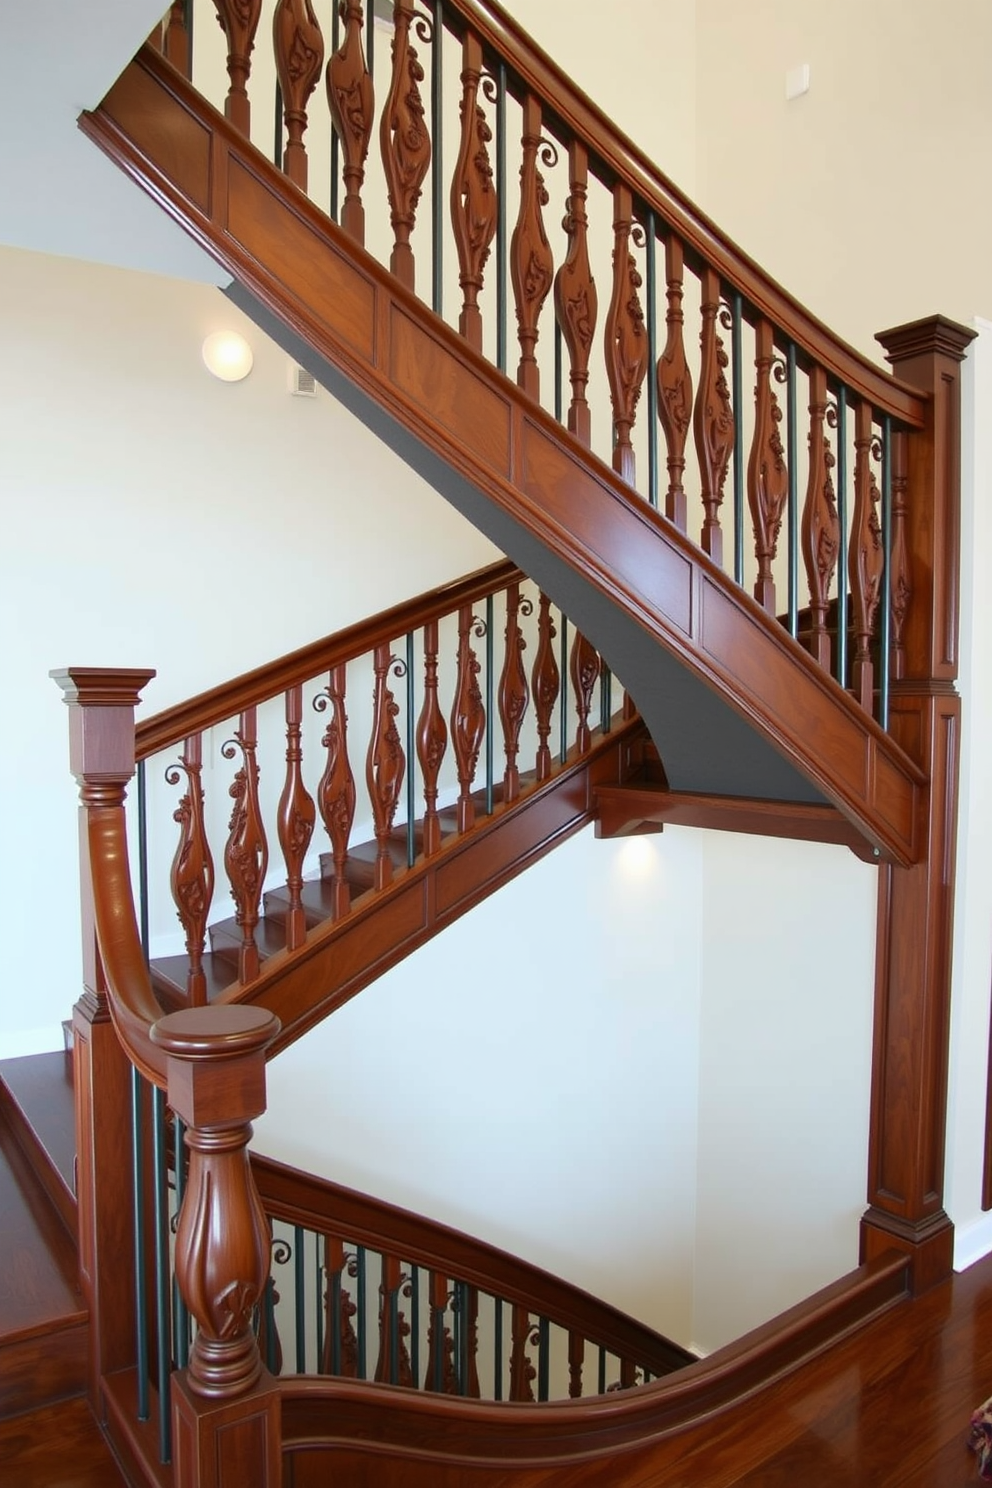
column 101, row 706
column 226, row 1413
column 915, row 904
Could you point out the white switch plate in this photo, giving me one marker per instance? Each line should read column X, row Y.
column 797, row 81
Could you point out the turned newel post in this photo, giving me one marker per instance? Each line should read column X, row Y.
column 215, row 1067
column 101, row 706
column 913, row 951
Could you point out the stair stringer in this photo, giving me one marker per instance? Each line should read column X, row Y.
column 734, row 705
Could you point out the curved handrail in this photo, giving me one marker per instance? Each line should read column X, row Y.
column 320, row 1205
column 626, row 162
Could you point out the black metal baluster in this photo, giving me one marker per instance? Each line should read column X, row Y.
column 411, row 757
column 563, row 694
column 793, row 515
column 160, row 1189
column 602, row 1370
column 143, row 860
column 277, row 157
column 140, row 1306
column 543, row 1358
column 738, row 381
column 558, row 371
column 842, row 525
column 498, row 1349
column 651, row 273
column 501, row 327
column 437, row 1329
column 270, row 1325
column 335, row 142
column 319, row 1301
column 490, row 705
column 885, row 610
column 394, row 1330
column 415, row 1325
column 362, row 1330
column 437, row 170
column 300, row 1289
column 180, row 1308
column 336, row 1323
column 605, row 698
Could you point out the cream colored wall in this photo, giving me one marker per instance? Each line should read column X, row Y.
column 867, row 197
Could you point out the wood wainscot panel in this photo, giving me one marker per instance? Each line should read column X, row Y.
column 157, row 122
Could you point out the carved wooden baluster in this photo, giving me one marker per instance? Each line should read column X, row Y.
column 239, row 22
column 192, row 876
column 576, row 1359
column 404, row 141
column 531, row 263
column 626, row 342
column 351, row 99
column 474, row 207
column 299, row 52
column 340, row 1341
column 441, row 1376
column 767, row 476
column 584, row 667
column 176, row 38
column 866, row 560
column 471, row 1326
column 522, row 1371
column 545, row 681
column 675, row 387
column 901, row 580
column 514, row 694
column 297, row 815
column 336, row 791
column 576, row 303
column 713, row 418
column 392, row 1333
column 246, row 855
column 628, row 1374
column 385, row 764
column 820, row 525
column 468, row 716
column 432, row 741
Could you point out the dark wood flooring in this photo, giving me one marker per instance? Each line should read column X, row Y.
column 60, row 1446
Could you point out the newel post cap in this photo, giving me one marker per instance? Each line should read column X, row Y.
column 101, row 703
column 216, row 1062
column 934, row 334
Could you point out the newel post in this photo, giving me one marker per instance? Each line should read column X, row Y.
column 101, row 756
column 226, row 1420
column 915, row 905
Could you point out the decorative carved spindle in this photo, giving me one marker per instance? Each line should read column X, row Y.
column 404, row 140
column 351, row 99
column 468, row 715
column 901, row 580
column 713, row 418
column 820, row 526
column 297, row 815
column 474, row 207
column 239, row 22
column 767, row 476
column 675, row 387
column 626, row 341
column 341, row 1328
column 385, row 764
column 584, row 667
column 576, row 1359
column 216, row 1064
column 192, row 875
column 866, row 560
column 246, row 855
column 545, row 681
column 299, row 52
column 576, row 303
column 531, row 263
column 389, row 1289
column 176, row 37
column 514, row 694
column 336, row 791
column 522, row 1371
column 628, row 1374
column 440, row 1373
column 432, row 741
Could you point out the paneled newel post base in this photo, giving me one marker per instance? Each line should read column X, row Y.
column 227, row 1443
column 928, row 1243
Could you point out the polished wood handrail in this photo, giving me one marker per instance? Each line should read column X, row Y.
column 326, row 1207
column 208, row 708
column 706, row 243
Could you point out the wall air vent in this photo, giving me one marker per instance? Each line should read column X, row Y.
column 302, row 384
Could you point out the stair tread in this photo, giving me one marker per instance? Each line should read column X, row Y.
column 58, row 1446
column 40, row 1085
column 39, row 1289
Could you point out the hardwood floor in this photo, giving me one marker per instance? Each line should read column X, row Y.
column 60, row 1446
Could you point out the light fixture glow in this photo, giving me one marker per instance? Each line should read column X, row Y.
column 228, row 356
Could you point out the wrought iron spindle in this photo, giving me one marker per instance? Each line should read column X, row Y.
column 296, row 816
column 192, row 875
column 340, row 1340
column 140, row 1248
column 675, row 386
column 437, row 174
column 842, row 589
column 393, row 1364
column 474, row 206
column 300, row 1298
column 351, row 99
column 531, row 262
column 543, row 1359
column 651, row 275
column 246, row 854
column 576, row 303
column 440, row 1377
column 737, row 374
column 885, row 609
column 336, row 791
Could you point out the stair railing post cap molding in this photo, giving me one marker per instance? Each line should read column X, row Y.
column 934, row 333
column 216, row 1062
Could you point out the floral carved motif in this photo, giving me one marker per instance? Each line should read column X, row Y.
column 545, row 681
column 340, row 1355
column 767, row 475
column 336, row 791
column 296, row 816
column 385, row 763
column 393, row 1329
column 901, row 583
column 468, row 716
column 246, row 854
column 474, row 206
column 713, row 418
column 531, row 262
column 192, row 876
column 866, row 560
column 626, row 342
column 522, row 1371
column 675, row 387
column 432, row 741
column 584, row 668
column 514, row 693
column 404, row 142
column 351, row 99
column 239, row 21
column 299, row 52
column 576, row 303
column 820, row 524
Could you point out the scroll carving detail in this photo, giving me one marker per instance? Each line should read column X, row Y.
column 296, row 817
column 336, row 791
column 820, row 524
column 404, row 142
column 866, row 561
column 514, row 694
column 675, row 387
column 576, row 303
column 531, row 262
column 713, row 419
column 473, row 195
column 192, row 876
column 545, row 681
column 299, row 52
column 767, row 476
column 239, row 21
column 468, row 716
column 626, row 343
column 432, row 741
column 351, row 99
column 246, row 855
column 385, row 764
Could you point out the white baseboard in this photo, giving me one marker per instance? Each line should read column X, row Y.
column 972, row 1242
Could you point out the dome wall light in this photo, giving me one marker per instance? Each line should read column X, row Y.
column 228, row 356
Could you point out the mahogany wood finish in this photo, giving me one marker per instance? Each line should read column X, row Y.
column 299, row 51
column 385, row 764
column 865, row 560
column 468, row 716
column 545, row 681
column 473, row 195
column 336, row 791
column 576, row 302
column 713, row 418
column 351, row 98
column 820, row 526
column 239, row 22
column 584, row 668
column 767, row 476
column 675, row 387
column 514, row 693
column 913, row 957
column 37, row 1101
column 432, row 741
column 404, row 141
column 297, row 814
column 192, row 877
column 246, row 855
column 626, row 342
column 426, row 377
column 531, row 263
column 58, row 1446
